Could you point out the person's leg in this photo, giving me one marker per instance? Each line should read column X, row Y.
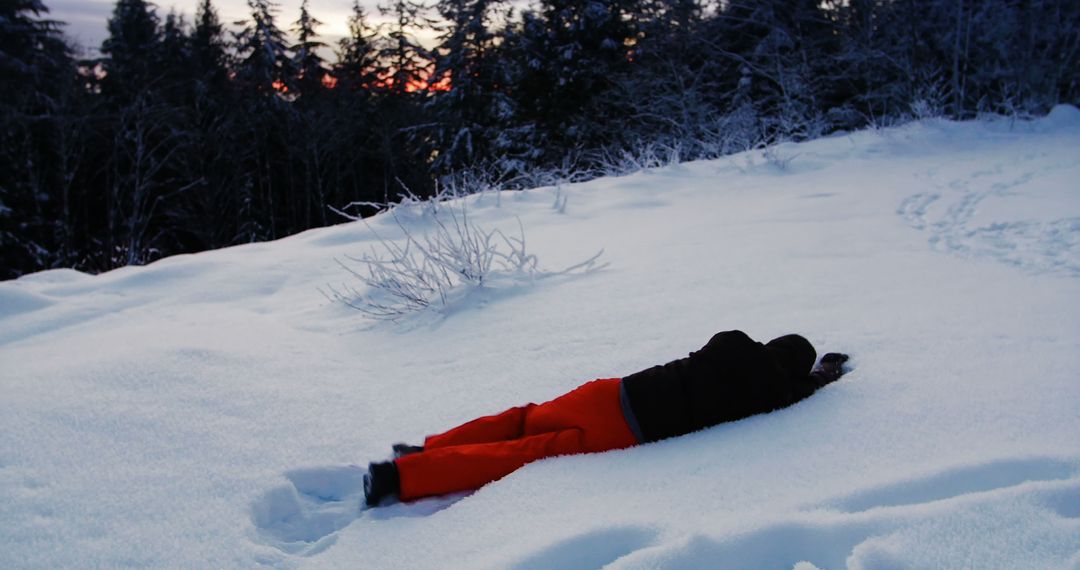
column 595, row 408
column 586, row 419
column 465, row 467
column 499, row 427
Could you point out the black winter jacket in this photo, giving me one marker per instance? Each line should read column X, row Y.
column 730, row 378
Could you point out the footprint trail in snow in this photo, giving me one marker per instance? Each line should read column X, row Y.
column 972, row 211
column 303, row 517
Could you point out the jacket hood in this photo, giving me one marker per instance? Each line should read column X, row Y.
column 792, row 353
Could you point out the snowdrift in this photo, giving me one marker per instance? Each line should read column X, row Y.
column 215, row 410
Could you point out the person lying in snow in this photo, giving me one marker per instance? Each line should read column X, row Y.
column 730, row 378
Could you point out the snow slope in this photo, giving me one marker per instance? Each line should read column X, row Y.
column 214, row 410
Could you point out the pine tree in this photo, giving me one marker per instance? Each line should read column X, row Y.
column 265, row 77
column 264, row 64
column 309, row 65
column 668, row 96
column 523, row 142
column 31, row 45
column 403, row 70
column 405, row 65
column 147, row 86
column 779, row 56
column 568, row 55
column 36, row 75
column 131, row 62
column 467, row 101
column 203, row 216
column 1015, row 54
column 208, row 48
column 355, row 159
column 176, row 61
column 356, row 68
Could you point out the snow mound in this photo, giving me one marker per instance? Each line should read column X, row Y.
column 1063, row 116
column 914, row 535
column 14, row 301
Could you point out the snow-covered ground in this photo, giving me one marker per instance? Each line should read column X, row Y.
column 214, row 410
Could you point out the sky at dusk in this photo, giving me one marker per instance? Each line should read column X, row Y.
column 87, row 19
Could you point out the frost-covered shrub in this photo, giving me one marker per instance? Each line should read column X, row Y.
column 639, row 156
column 444, row 263
column 777, row 157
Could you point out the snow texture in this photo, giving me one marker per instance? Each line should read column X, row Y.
column 214, row 410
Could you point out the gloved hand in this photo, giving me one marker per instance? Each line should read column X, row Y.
column 830, row 368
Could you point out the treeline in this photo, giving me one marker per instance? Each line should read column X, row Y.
column 185, row 136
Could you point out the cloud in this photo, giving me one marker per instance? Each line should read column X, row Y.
column 87, row 19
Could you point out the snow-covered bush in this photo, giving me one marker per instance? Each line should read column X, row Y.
column 640, row 156
column 443, row 264
column 777, row 157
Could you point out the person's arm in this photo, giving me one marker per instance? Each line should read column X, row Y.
column 829, row 370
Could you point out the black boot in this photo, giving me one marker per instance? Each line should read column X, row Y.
column 381, row 481
column 403, row 449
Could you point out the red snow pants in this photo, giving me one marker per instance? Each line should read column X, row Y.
column 586, row 419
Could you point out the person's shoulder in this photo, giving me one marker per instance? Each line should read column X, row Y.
column 727, row 345
column 729, row 338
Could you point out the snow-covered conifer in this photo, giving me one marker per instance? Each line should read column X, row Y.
column 307, row 62
column 265, row 64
